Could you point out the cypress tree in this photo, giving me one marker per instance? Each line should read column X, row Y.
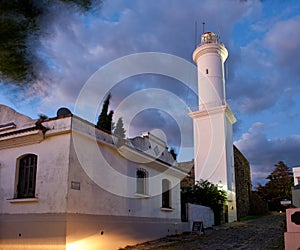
column 105, row 119
column 119, row 130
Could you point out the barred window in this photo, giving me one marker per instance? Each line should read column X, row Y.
column 27, row 176
column 166, row 194
column 141, row 181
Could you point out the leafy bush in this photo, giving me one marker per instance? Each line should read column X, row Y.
column 206, row 194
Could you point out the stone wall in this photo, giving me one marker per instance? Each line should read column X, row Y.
column 243, row 183
column 189, row 180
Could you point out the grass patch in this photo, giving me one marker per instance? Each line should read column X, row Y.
column 250, row 217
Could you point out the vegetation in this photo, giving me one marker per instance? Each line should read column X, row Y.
column 43, row 117
column 20, row 27
column 173, row 153
column 278, row 187
column 250, row 217
column 120, row 131
column 105, row 118
column 207, row 194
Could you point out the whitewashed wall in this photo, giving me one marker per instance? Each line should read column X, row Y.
column 52, row 173
column 296, row 175
column 200, row 213
column 107, row 180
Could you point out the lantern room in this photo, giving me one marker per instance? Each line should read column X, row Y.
column 209, row 37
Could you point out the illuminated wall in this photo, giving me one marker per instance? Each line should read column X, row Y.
column 78, row 202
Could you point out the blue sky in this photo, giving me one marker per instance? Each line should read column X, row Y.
column 262, row 87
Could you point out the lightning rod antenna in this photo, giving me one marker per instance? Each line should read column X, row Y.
column 219, row 31
column 196, row 34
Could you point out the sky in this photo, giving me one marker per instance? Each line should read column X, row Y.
column 262, row 70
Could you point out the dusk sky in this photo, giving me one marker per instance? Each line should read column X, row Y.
column 262, row 80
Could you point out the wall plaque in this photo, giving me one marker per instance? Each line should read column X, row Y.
column 75, row 185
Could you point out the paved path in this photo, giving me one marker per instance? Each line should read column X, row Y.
column 261, row 233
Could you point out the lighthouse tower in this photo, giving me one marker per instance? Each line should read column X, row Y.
column 213, row 120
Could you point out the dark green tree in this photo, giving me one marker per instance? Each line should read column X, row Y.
column 20, row 27
column 119, row 132
column 278, row 187
column 207, row 194
column 109, row 123
column 105, row 118
column 173, row 153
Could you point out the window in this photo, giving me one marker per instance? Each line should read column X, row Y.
column 27, row 176
column 141, row 181
column 166, row 194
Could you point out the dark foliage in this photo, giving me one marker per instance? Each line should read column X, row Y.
column 173, row 153
column 278, row 187
column 206, row 194
column 20, row 27
column 18, row 21
column 119, row 131
column 105, row 118
column 257, row 205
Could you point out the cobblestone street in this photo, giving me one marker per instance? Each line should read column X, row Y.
column 260, row 233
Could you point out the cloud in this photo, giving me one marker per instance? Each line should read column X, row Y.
column 263, row 153
column 153, row 107
column 283, row 41
column 264, row 69
column 76, row 45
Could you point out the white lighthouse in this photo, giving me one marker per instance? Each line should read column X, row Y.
column 213, row 120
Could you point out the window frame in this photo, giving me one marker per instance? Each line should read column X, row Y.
column 25, row 182
column 166, row 194
column 141, row 182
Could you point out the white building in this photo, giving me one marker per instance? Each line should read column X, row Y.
column 65, row 185
column 296, row 188
column 213, row 120
column 296, row 175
